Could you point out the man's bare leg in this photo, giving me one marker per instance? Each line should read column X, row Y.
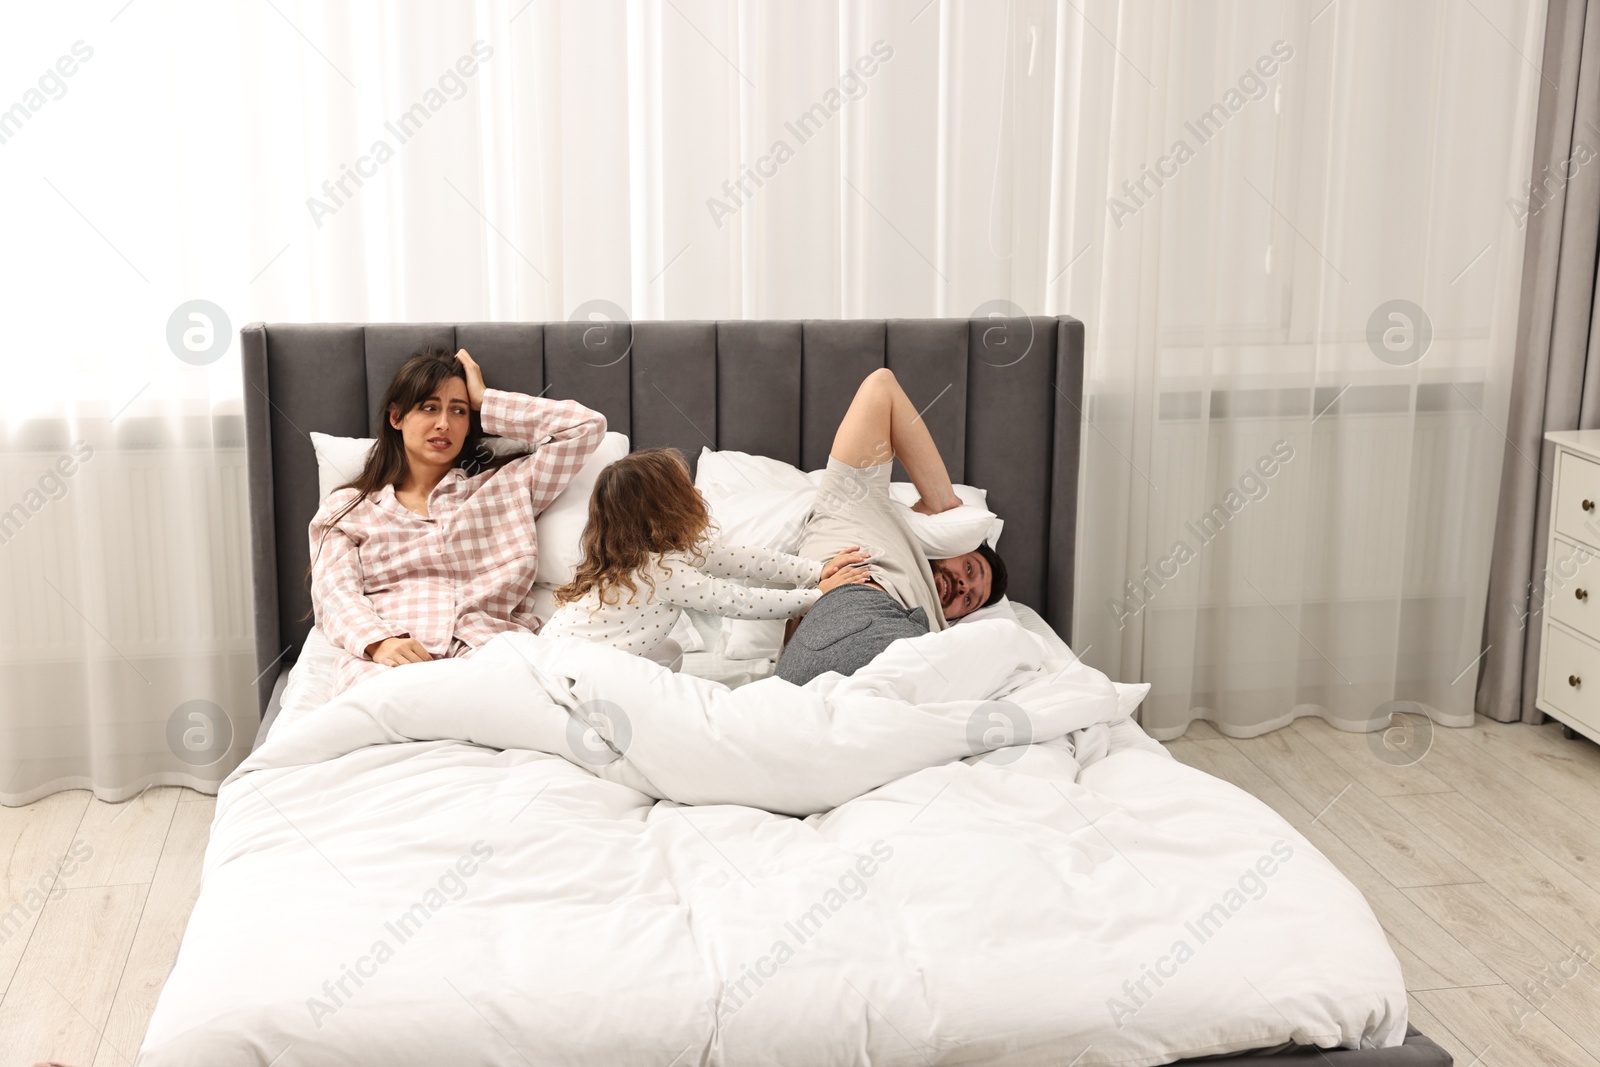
column 881, row 424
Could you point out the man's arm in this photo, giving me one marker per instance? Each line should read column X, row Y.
column 881, row 424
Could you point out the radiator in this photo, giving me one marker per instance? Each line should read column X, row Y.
column 1375, row 507
column 138, row 553
column 126, row 607
column 1358, row 573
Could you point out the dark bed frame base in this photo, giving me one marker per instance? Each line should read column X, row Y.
column 1418, row 1051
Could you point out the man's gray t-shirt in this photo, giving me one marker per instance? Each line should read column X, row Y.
column 853, row 508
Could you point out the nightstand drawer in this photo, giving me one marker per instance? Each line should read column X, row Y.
column 1572, row 676
column 1572, row 595
column 1577, row 499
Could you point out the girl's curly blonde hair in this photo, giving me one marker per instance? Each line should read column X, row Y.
column 644, row 504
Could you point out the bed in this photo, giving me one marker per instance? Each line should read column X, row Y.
column 552, row 852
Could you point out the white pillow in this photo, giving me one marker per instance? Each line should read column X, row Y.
column 955, row 532
column 1000, row 609
column 761, row 518
column 731, row 471
column 757, row 502
column 950, row 533
column 559, row 528
column 707, row 628
column 687, row 634
column 751, row 638
column 763, row 503
column 341, row 459
column 544, row 600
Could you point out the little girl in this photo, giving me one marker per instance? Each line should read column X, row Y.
column 646, row 555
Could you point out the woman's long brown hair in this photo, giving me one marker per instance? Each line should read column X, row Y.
column 642, row 505
column 419, row 378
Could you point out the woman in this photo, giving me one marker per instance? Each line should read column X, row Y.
column 431, row 551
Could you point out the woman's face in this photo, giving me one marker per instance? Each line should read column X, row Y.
column 435, row 429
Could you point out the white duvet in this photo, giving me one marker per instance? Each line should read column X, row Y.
column 555, row 853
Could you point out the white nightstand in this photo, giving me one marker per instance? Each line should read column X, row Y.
column 1569, row 657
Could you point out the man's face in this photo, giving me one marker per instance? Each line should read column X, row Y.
column 963, row 583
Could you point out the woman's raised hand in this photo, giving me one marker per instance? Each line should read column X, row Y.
column 475, row 384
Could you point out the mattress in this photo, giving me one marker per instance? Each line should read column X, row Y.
column 863, row 870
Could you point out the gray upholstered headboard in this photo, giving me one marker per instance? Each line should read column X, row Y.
column 1001, row 397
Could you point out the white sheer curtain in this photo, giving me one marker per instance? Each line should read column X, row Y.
column 297, row 161
column 1289, row 501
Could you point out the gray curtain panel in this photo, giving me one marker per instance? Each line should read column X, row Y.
column 1557, row 365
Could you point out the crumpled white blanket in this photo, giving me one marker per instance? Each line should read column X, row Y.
column 557, row 853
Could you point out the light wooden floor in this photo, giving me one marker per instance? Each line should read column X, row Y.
column 1482, row 861
column 81, row 974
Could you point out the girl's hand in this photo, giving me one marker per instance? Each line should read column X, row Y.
column 397, row 651
column 475, row 384
column 853, row 554
column 855, row 574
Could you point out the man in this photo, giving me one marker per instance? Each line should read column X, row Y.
column 908, row 593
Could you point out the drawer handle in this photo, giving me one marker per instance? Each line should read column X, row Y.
column 1582, row 594
column 1574, row 681
column 1588, row 505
